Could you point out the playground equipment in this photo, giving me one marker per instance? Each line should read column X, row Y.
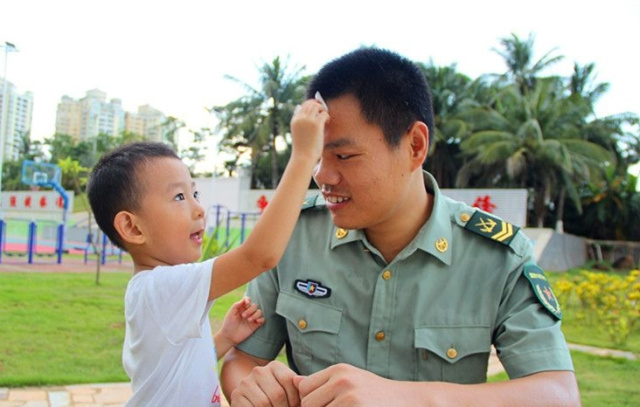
column 227, row 221
column 41, row 175
column 30, row 238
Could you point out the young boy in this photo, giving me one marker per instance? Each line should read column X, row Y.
column 145, row 201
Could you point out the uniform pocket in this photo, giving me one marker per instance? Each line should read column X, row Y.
column 457, row 354
column 313, row 331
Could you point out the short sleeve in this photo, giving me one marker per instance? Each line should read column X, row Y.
column 269, row 339
column 528, row 337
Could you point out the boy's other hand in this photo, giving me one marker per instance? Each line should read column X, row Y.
column 242, row 319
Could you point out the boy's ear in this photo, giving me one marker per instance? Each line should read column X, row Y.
column 126, row 225
column 419, row 139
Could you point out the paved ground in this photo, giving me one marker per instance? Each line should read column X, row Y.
column 48, row 265
column 101, row 395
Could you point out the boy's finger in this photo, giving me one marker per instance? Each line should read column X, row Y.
column 319, row 98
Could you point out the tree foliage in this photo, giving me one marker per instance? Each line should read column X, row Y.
column 253, row 124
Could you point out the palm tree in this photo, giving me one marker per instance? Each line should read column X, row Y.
column 254, row 122
column 608, row 131
column 611, row 208
column 531, row 141
column 582, row 83
column 452, row 93
column 518, row 56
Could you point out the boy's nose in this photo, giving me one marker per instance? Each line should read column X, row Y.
column 198, row 210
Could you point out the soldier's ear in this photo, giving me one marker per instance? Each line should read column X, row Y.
column 419, row 141
column 127, row 226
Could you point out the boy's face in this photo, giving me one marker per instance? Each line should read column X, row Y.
column 363, row 180
column 170, row 216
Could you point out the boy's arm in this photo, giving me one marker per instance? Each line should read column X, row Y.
column 268, row 240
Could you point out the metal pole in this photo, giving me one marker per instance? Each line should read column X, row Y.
column 8, row 47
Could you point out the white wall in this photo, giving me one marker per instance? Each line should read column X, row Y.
column 234, row 194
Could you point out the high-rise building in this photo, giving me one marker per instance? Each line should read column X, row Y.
column 148, row 122
column 17, row 116
column 85, row 118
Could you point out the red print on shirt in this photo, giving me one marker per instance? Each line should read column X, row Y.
column 216, row 399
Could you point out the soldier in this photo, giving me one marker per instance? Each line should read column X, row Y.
column 390, row 293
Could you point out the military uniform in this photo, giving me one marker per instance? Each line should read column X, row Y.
column 465, row 282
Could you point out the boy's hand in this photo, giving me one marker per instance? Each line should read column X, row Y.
column 307, row 129
column 242, row 319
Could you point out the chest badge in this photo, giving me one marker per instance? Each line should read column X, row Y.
column 312, row 289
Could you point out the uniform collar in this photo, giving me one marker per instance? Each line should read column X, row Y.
column 434, row 237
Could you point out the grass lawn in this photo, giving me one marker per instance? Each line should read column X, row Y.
column 603, row 381
column 60, row 328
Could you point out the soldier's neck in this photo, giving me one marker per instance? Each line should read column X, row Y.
column 392, row 236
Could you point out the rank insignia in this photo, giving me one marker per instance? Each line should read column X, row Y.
column 312, row 289
column 492, row 227
column 541, row 287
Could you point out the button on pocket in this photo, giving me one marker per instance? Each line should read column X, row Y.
column 313, row 331
column 455, row 354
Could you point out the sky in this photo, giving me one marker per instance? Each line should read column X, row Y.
column 175, row 54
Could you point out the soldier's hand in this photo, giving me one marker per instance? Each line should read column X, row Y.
column 343, row 385
column 267, row 386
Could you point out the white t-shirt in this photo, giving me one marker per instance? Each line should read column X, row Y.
column 168, row 351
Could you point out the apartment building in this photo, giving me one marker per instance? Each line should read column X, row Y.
column 16, row 120
column 85, row 118
column 147, row 122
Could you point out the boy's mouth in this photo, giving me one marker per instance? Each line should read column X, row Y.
column 197, row 237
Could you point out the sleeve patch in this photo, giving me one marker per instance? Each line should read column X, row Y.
column 491, row 227
column 542, row 289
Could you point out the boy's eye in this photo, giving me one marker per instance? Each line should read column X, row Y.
column 179, row 197
column 196, row 195
column 344, row 156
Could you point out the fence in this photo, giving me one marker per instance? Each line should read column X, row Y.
column 228, row 226
column 31, row 239
column 618, row 253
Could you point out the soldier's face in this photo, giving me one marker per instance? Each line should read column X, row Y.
column 363, row 180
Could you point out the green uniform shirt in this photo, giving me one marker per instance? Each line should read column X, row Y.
column 431, row 314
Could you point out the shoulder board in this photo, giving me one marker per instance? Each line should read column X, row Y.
column 491, row 227
column 542, row 289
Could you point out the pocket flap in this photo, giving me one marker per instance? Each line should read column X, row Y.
column 453, row 343
column 308, row 315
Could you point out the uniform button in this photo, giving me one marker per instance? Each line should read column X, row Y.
column 452, row 353
column 386, row 275
column 302, row 324
column 380, row 336
column 465, row 217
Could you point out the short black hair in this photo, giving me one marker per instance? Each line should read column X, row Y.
column 114, row 185
column 393, row 92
